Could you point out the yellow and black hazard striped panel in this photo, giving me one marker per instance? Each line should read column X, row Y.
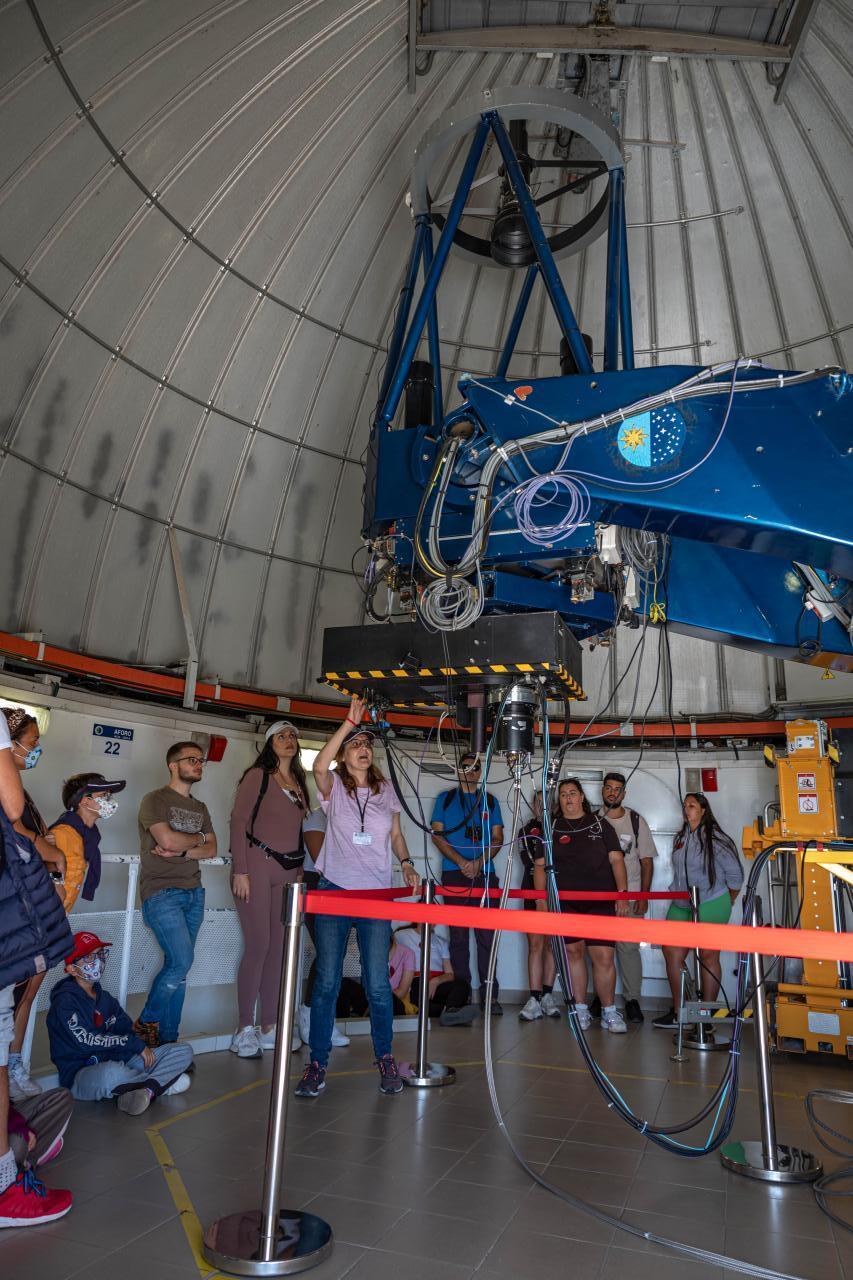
column 560, row 677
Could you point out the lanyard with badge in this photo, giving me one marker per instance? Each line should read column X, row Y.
column 362, row 836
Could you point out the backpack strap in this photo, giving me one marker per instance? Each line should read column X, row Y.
column 265, row 782
column 635, row 824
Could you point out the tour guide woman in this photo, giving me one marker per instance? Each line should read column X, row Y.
column 362, row 832
column 705, row 857
column 587, row 855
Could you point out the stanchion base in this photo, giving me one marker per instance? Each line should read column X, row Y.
column 233, row 1243
column 679, row 1057
column 436, row 1076
column 794, row 1165
column 702, row 1043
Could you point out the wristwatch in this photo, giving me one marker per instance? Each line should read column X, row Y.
column 403, row 862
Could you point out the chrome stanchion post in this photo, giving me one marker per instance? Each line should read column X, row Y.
column 767, row 1160
column 426, row 1074
column 703, row 1037
column 680, row 1055
column 273, row 1241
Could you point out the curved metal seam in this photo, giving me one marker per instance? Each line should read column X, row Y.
column 827, row 102
column 134, row 320
column 802, row 235
column 707, row 167
column 648, row 199
column 116, row 353
column 826, row 180
column 684, row 235
column 381, row 165
column 832, row 48
column 78, row 486
column 761, row 239
column 156, row 203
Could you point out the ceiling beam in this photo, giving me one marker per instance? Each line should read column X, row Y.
column 645, row 41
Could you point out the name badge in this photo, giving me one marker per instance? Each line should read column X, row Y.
column 362, row 837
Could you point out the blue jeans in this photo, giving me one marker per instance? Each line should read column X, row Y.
column 374, row 940
column 174, row 916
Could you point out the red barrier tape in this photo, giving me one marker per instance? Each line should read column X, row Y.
column 808, row 944
column 580, row 895
column 371, row 894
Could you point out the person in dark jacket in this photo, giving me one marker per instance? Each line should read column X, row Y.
column 93, row 1045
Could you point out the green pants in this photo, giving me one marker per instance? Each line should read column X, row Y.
column 714, row 911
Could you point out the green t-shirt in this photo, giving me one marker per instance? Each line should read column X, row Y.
column 181, row 813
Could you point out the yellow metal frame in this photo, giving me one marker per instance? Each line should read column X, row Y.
column 815, row 1015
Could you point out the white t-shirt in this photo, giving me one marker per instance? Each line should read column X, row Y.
column 5, row 740
column 633, row 849
column 315, row 821
column 439, row 951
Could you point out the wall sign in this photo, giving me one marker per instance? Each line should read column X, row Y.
column 112, row 740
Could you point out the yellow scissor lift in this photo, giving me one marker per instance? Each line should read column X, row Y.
column 816, row 1014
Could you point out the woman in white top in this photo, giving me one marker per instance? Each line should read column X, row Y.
column 363, row 836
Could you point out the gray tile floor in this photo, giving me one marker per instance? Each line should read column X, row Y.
column 423, row 1187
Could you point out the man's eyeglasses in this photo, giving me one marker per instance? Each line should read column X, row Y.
column 470, row 768
column 190, row 760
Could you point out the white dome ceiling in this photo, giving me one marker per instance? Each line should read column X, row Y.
column 201, row 257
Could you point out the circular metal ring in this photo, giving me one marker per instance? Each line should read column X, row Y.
column 546, row 106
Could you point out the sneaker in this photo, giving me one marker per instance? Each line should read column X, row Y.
column 582, row 1016
column 246, row 1043
column 389, row 1076
column 21, row 1085
column 29, row 1203
column 667, row 1021
column 532, row 1010
column 339, row 1040
column 613, row 1021
column 53, row 1151
column 633, row 1012
column 313, row 1081
column 180, row 1085
column 550, row 1008
column 149, row 1032
column 134, row 1101
column 595, row 1008
column 458, row 1017
column 303, row 1020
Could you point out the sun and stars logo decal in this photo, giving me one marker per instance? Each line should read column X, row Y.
column 651, row 439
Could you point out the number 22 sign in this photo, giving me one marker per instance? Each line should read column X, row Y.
column 111, row 740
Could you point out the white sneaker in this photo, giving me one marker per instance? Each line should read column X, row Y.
column 303, row 1019
column 339, row 1040
column 180, row 1085
column 246, row 1043
column 550, row 1008
column 532, row 1010
column 21, row 1085
column 584, row 1018
column 613, row 1021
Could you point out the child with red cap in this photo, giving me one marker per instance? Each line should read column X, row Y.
column 93, row 1044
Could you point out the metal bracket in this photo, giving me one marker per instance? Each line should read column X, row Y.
column 192, row 660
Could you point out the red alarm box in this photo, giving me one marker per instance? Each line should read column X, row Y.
column 709, row 780
column 216, row 750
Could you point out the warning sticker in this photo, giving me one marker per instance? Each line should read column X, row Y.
column 807, row 803
column 806, row 782
column 802, row 742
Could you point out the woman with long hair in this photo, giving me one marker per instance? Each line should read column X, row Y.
column 363, row 836
column 705, row 857
column 26, row 752
column 587, row 855
column 266, row 848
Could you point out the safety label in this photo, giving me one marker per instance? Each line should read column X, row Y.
column 802, row 742
column 111, row 740
column 808, row 804
column 806, row 782
column 827, row 1024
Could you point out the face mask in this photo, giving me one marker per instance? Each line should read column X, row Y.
column 91, row 968
column 31, row 759
column 106, row 806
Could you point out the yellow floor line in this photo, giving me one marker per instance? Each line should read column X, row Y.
column 189, row 1218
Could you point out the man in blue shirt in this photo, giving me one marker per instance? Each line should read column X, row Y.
column 467, row 829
